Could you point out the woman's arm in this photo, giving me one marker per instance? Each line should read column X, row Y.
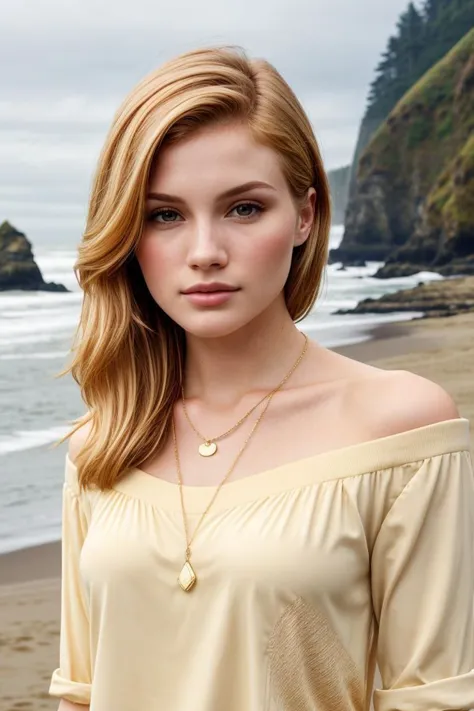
column 73, row 677
column 423, row 590
column 65, row 705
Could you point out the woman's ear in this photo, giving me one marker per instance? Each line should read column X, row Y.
column 306, row 217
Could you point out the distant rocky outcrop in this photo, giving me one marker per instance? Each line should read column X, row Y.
column 443, row 297
column 413, row 201
column 18, row 269
column 339, row 187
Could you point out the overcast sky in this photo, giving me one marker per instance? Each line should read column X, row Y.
column 66, row 65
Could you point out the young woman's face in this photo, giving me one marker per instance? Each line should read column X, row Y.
column 194, row 234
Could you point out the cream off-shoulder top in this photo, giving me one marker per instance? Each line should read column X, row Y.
column 308, row 575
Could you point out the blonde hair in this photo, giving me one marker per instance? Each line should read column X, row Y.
column 129, row 354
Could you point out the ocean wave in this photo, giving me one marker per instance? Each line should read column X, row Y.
column 36, row 326
column 46, row 355
column 11, row 300
column 21, row 440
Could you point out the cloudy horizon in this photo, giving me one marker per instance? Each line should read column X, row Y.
column 68, row 65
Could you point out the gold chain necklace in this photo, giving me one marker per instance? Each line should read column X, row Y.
column 209, row 446
column 187, row 577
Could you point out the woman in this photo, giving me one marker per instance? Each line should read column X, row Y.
column 250, row 520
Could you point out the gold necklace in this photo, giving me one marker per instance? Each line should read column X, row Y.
column 209, row 446
column 187, row 577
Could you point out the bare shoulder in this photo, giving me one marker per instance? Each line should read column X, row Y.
column 78, row 439
column 393, row 401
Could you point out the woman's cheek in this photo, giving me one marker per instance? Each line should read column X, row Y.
column 273, row 252
column 154, row 260
column 154, row 267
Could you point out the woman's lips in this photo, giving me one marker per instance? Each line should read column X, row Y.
column 210, row 298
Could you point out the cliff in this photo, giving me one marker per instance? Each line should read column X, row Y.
column 18, row 269
column 367, row 129
column 413, row 202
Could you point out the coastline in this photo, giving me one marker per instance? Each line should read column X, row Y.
column 441, row 349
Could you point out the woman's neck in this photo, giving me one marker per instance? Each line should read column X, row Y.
column 222, row 371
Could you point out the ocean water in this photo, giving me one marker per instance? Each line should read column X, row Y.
column 36, row 330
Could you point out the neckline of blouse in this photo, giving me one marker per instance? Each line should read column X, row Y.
column 401, row 448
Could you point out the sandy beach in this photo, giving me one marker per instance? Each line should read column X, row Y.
column 441, row 349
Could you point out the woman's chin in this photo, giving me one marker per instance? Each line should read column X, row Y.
column 216, row 325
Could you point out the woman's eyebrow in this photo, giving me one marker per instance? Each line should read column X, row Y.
column 228, row 193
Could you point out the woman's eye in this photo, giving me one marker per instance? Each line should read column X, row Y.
column 167, row 212
column 163, row 211
column 254, row 205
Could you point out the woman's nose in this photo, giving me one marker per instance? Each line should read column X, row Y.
column 207, row 248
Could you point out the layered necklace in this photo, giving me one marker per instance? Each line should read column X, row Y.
column 187, row 577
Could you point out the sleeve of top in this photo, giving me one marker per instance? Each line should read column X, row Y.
column 72, row 680
column 423, row 590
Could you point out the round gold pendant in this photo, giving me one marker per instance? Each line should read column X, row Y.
column 207, row 449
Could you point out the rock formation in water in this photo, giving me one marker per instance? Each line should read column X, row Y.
column 18, row 269
column 444, row 297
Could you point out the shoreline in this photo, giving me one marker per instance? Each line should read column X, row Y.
column 394, row 345
column 23, row 565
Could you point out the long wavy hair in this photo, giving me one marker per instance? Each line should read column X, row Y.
column 128, row 353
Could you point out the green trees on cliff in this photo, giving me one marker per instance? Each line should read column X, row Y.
column 423, row 35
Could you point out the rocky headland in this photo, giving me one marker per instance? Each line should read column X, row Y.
column 412, row 205
column 18, row 269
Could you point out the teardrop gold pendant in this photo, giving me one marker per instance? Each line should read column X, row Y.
column 187, row 577
column 207, row 449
